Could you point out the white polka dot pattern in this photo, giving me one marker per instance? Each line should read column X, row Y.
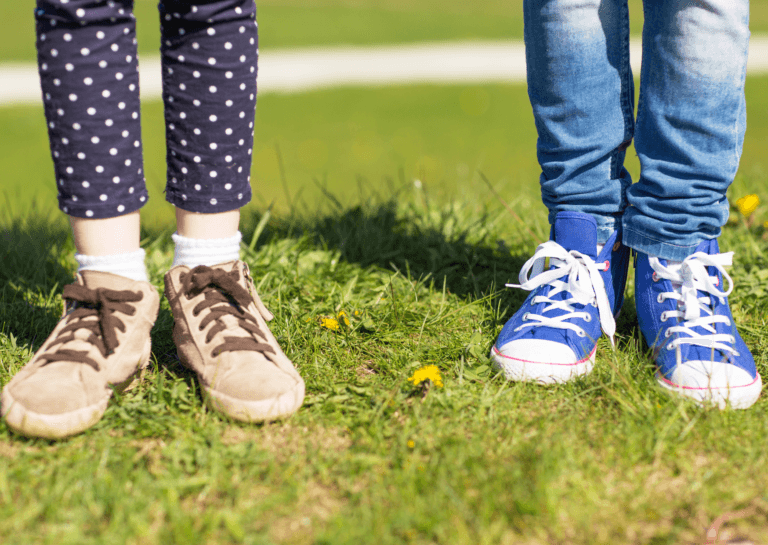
column 77, row 45
column 89, row 74
column 203, row 76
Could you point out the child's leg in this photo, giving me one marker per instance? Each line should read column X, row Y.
column 690, row 130
column 90, row 81
column 581, row 88
column 89, row 77
column 209, row 55
column 87, row 59
column 691, row 121
column 209, row 77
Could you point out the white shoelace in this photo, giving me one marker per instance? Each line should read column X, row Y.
column 687, row 280
column 584, row 284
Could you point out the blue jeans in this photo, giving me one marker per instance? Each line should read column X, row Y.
column 690, row 123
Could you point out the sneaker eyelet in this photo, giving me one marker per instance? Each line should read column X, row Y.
column 660, row 298
column 733, row 339
column 581, row 333
column 670, row 347
column 588, row 318
column 663, row 316
column 655, row 276
column 668, row 333
column 525, row 317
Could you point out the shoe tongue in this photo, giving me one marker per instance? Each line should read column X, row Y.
column 709, row 247
column 228, row 266
column 576, row 231
column 97, row 279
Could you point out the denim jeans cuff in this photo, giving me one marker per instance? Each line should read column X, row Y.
column 657, row 248
column 605, row 228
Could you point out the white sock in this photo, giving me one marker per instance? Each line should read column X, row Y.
column 212, row 251
column 130, row 265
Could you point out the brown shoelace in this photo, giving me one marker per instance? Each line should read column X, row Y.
column 223, row 297
column 101, row 303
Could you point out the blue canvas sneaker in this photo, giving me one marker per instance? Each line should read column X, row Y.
column 685, row 318
column 553, row 337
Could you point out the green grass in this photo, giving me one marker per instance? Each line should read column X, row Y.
column 606, row 459
column 420, row 271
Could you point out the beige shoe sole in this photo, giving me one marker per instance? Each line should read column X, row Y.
column 263, row 410
column 56, row 426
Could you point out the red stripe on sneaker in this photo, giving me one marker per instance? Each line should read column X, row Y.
column 496, row 350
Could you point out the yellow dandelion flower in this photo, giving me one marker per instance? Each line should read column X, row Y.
column 765, row 225
column 330, row 323
column 428, row 372
column 411, row 443
column 343, row 318
column 748, row 204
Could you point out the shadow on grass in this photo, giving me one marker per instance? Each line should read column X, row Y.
column 34, row 251
column 446, row 245
column 435, row 244
column 471, row 261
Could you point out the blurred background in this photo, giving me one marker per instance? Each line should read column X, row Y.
column 353, row 141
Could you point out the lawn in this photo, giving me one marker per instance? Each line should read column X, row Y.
column 380, row 211
column 419, row 271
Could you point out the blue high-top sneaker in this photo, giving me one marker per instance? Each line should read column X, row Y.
column 686, row 320
column 553, row 337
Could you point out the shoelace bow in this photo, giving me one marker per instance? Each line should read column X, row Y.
column 585, row 285
column 99, row 303
column 224, row 296
column 694, row 310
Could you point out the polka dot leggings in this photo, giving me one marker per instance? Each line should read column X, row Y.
column 89, row 74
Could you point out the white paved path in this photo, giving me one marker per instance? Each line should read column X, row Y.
column 296, row 70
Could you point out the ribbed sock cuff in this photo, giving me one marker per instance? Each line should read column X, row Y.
column 197, row 251
column 130, row 265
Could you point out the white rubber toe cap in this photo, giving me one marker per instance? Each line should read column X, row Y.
column 715, row 383
column 542, row 361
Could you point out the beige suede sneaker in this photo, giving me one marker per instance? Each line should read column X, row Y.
column 221, row 332
column 99, row 345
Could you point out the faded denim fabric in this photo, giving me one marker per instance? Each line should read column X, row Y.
column 690, row 123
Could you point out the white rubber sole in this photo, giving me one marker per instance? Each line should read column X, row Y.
column 520, row 370
column 738, row 397
column 263, row 410
column 57, row 426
